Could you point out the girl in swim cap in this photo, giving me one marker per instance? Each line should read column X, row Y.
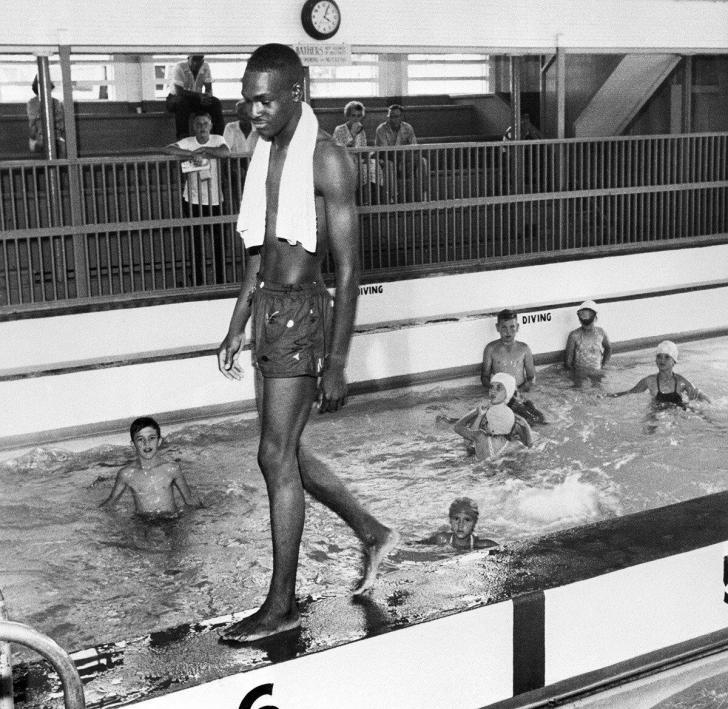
column 493, row 428
column 463, row 516
column 667, row 387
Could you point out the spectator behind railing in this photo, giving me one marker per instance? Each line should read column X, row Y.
column 352, row 134
column 190, row 92
column 202, row 192
column 36, row 139
column 240, row 135
column 403, row 168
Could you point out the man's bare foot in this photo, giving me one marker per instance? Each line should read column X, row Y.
column 376, row 553
column 259, row 625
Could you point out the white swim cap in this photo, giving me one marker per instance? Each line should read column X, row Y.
column 669, row 348
column 588, row 305
column 508, row 381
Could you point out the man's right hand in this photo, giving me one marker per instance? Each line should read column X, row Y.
column 228, row 355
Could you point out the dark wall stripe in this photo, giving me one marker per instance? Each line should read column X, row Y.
column 529, row 651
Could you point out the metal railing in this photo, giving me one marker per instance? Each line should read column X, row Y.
column 117, row 228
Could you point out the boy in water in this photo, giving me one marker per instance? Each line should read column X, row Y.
column 666, row 387
column 151, row 480
column 587, row 348
column 463, row 518
column 515, row 358
column 493, row 428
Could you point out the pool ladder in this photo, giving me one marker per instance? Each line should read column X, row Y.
column 21, row 634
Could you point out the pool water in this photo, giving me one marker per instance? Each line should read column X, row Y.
column 86, row 576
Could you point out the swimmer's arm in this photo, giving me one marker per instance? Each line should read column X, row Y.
column 570, row 351
column 335, row 180
column 230, row 348
column 479, row 543
column 188, row 497
column 523, row 431
column 529, row 369
column 693, row 392
column 120, row 487
column 462, row 427
column 486, row 369
column 636, row 389
column 607, row 345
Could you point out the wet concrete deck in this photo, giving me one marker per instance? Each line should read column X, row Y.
column 190, row 654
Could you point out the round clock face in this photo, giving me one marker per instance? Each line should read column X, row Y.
column 321, row 18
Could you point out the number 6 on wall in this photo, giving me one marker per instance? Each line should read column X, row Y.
column 256, row 693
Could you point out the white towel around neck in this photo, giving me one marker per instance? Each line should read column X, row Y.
column 296, row 218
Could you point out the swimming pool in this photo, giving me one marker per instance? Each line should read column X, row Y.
column 86, row 576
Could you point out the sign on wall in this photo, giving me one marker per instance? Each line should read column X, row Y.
column 317, row 54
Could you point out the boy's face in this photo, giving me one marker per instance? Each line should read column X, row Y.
column 462, row 524
column 146, row 442
column 507, row 330
column 664, row 362
column 496, row 393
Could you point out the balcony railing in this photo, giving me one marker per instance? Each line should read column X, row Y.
column 118, row 228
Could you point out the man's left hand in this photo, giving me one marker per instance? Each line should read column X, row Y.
column 332, row 390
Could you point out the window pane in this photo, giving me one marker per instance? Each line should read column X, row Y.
column 447, row 73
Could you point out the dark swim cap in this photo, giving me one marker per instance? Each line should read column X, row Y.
column 465, row 504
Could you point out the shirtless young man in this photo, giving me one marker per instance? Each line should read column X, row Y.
column 281, row 280
column 151, row 479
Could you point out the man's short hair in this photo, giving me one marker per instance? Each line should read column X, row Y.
column 199, row 57
column 201, row 114
column 395, row 107
column 354, row 106
column 143, row 422
column 506, row 314
column 279, row 58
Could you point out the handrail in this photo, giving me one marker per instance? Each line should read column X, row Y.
column 6, row 670
column 25, row 635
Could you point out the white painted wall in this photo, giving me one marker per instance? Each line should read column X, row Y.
column 495, row 23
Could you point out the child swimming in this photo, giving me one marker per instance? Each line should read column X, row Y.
column 667, row 387
column 512, row 357
column 463, row 516
column 151, row 480
column 493, row 428
column 587, row 348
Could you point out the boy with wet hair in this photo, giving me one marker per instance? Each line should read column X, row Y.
column 667, row 387
column 463, row 514
column 587, row 348
column 515, row 358
column 151, row 480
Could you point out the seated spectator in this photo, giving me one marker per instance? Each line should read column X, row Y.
column 240, row 135
column 528, row 130
column 405, row 166
column 190, row 92
column 353, row 135
column 202, row 193
column 36, row 139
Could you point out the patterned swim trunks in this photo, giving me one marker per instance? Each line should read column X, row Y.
column 291, row 328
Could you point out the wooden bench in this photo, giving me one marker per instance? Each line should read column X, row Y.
column 119, row 127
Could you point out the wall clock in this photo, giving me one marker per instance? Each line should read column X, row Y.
column 321, row 18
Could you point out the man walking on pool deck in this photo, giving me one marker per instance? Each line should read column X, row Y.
column 299, row 336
